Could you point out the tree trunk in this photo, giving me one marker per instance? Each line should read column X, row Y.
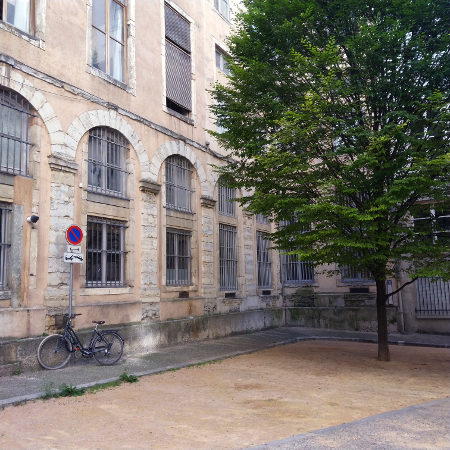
column 383, row 347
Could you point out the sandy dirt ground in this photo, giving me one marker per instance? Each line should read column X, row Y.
column 239, row 402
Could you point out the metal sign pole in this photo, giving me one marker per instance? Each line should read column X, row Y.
column 70, row 290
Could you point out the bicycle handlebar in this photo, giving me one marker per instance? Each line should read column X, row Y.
column 72, row 316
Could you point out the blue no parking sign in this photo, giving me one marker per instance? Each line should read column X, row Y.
column 74, row 235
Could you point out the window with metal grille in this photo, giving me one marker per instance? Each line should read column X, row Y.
column 227, row 257
column 107, row 162
column 433, row 220
column 261, row 218
column 433, row 297
column 178, row 62
column 108, row 37
column 17, row 13
column 263, row 259
column 178, row 257
column 221, row 62
column 351, row 274
column 5, row 212
column 227, row 205
column 178, row 183
column 105, row 253
column 14, row 138
column 223, row 8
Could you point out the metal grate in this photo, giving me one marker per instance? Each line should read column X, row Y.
column 178, row 183
column 350, row 274
column 14, row 138
column 297, row 271
column 261, row 218
column 178, row 257
column 227, row 257
column 263, row 259
column 5, row 212
column 105, row 253
column 227, row 206
column 433, row 298
column 107, row 162
column 177, row 29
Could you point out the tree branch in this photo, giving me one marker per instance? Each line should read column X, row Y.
column 401, row 287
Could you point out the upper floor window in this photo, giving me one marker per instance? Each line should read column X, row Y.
column 178, row 62
column 262, row 219
column 17, row 13
column 108, row 37
column 221, row 62
column 227, row 206
column 5, row 211
column 14, row 138
column 178, row 183
column 432, row 222
column 351, row 274
column 107, row 162
column 223, row 8
column 105, row 252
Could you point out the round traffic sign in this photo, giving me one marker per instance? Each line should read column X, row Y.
column 74, row 235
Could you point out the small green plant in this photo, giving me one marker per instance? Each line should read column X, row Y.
column 17, row 371
column 70, row 391
column 49, row 390
column 99, row 387
column 128, row 378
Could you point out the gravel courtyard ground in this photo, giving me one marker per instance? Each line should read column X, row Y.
column 239, row 402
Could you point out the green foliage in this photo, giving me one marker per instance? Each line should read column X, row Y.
column 128, row 378
column 99, row 387
column 49, row 390
column 17, row 371
column 338, row 112
column 70, row 391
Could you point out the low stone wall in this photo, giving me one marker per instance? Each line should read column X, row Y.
column 362, row 318
column 142, row 338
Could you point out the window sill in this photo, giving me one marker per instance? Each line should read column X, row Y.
column 355, row 283
column 23, row 35
column 432, row 316
column 104, row 76
column 106, row 291
column 178, row 115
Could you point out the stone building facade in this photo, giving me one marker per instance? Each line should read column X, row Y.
column 104, row 119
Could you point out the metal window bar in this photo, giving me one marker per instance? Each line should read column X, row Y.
column 263, row 260
column 297, row 271
column 178, row 257
column 5, row 212
column 433, row 299
column 227, row 258
column 349, row 274
column 227, row 206
column 14, row 133
column 105, row 253
column 261, row 218
column 178, row 183
column 107, row 162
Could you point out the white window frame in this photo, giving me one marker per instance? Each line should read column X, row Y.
column 223, row 8
column 221, row 62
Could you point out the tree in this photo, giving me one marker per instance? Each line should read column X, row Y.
column 337, row 111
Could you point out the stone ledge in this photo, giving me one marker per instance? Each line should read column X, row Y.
column 149, row 187
column 62, row 165
column 207, row 202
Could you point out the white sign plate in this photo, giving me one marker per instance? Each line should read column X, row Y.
column 74, row 248
column 77, row 258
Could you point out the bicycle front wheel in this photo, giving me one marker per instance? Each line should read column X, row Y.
column 107, row 348
column 53, row 352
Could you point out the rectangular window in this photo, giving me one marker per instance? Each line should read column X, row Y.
column 223, row 8
column 263, row 259
column 14, row 140
column 227, row 206
column 433, row 297
column 227, row 258
column 5, row 212
column 17, row 13
column 350, row 274
column 105, row 253
column 178, row 257
column 296, row 271
column 178, row 183
column 261, row 218
column 221, row 62
column 107, row 162
column 178, row 62
column 108, row 37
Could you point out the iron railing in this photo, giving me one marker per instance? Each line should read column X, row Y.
column 263, row 260
column 178, row 183
column 178, row 257
column 433, row 297
column 227, row 257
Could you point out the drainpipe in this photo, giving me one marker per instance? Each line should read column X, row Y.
column 400, row 308
column 282, row 288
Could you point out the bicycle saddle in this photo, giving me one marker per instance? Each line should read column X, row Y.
column 100, row 322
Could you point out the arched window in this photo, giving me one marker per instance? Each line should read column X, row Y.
column 178, row 183
column 14, row 136
column 107, row 162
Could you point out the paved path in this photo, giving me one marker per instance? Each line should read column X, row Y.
column 28, row 386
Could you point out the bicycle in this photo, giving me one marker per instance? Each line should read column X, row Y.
column 105, row 346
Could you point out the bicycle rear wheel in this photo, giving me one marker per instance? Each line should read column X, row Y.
column 53, row 352
column 108, row 348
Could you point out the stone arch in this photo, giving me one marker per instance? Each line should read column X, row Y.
column 45, row 111
column 179, row 148
column 98, row 118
